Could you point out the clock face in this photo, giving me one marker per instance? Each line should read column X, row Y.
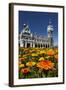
column 50, row 28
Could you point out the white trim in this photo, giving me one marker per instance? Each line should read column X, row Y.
column 60, row 44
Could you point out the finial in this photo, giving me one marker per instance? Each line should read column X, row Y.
column 24, row 25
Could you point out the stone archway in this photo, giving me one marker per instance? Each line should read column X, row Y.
column 28, row 45
column 46, row 45
column 35, row 45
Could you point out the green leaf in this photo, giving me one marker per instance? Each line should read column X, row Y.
column 43, row 75
column 21, row 75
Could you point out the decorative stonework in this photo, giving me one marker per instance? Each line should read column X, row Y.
column 27, row 39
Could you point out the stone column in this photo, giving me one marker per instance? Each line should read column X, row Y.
column 21, row 43
column 33, row 44
column 25, row 44
column 30, row 44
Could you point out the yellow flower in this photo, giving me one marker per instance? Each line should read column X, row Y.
column 37, row 53
column 24, row 56
column 30, row 64
column 34, row 54
column 42, row 58
column 19, row 56
column 47, row 57
column 43, row 52
column 21, row 65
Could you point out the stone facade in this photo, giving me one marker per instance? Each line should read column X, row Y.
column 27, row 39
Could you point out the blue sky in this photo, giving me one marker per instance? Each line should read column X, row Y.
column 38, row 22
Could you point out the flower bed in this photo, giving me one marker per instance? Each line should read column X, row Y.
column 38, row 62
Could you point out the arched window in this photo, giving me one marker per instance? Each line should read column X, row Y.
column 23, row 43
column 35, row 45
column 46, row 45
column 41, row 45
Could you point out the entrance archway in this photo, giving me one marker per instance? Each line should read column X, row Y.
column 28, row 45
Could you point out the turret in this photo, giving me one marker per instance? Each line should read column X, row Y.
column 26, row 29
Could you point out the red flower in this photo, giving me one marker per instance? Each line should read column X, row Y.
column 25, row 70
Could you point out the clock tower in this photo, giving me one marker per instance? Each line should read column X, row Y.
column 50, row 33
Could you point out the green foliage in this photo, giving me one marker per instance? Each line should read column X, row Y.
column 36, row 72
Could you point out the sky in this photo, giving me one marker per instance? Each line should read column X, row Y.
column 38, row 22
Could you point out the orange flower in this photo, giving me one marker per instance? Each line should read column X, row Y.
column 50, row 52
column 47, row 65
column 25, row 70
